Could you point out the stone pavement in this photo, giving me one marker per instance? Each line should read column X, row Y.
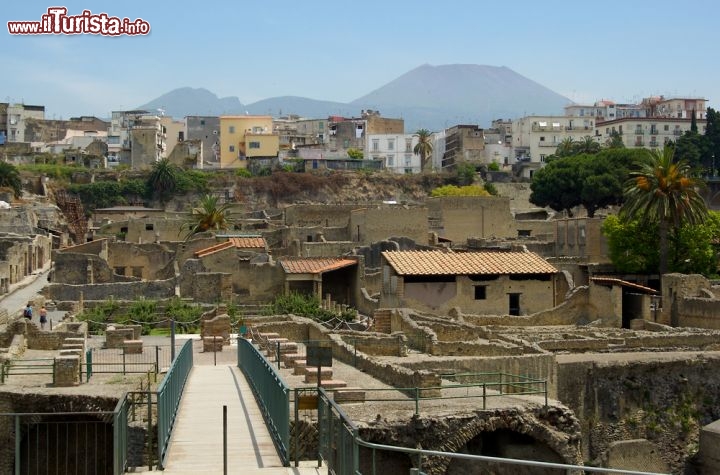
column 196, row 444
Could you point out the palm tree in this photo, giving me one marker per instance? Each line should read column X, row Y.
column 663, row 192
column 424, row 147
column 209, row 215
column 10, row 178
column 163, row 178
column 565, row 148
column 587, row 145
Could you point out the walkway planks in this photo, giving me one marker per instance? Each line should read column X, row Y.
column 196, row 445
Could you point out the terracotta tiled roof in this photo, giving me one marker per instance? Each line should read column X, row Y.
column 313, row 265
column 213, row 249
column 466, row 263
column 622, row 283
column 248, row 242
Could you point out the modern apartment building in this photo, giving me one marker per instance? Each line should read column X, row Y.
column 395, row 150
column 646, row 132
column 13, row 120
column 135, row 138
column 245, row 137
column 345, row 133
column 534, row 138
column 206, row 129
column 463, row 144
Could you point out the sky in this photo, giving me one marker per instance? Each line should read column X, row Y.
column 341, row 50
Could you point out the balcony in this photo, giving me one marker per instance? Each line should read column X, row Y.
column 548, row 144
column 549, row 128
column 639, row 132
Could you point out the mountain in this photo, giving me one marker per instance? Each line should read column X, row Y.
column 465, row 93
column 189, row 101
column 431, row 97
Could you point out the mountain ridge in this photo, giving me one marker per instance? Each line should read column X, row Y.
column 431, row 97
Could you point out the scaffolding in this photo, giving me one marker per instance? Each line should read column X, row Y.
column 72, row 208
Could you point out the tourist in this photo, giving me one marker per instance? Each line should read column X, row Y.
column 27, row 313
column 43, row 317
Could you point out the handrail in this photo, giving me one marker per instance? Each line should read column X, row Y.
column 168, row 398
column 340, row 461
column 272, row 394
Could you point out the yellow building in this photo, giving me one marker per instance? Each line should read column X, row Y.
column 244, row 137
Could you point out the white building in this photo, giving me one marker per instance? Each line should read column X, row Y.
column 534, row 138
column 396, row 151
column 646, row 132
column 136, row 138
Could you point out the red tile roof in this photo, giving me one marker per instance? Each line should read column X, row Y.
column 622, row 283
column 236, row 242
column 213, row 249
column 248, row 242
column 314, row 265
column 467, row 263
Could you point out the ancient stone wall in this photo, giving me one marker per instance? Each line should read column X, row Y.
column 377, row 224
column 664, row 398
column 327, row 249
column 145, row 261
column 158, row 289
column 318, row 215
column 461, row 217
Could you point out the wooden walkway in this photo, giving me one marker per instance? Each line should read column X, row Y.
column 196, row 445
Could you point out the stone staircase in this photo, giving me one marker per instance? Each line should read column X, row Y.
column 292, row 358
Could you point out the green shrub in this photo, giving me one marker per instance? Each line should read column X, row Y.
column 452, row 190
column 243, row 173
column 304, row 306
column 490, row 188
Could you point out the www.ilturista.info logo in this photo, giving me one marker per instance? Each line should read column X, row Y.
column 57, row 22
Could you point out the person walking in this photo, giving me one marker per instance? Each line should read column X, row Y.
column 43, row 317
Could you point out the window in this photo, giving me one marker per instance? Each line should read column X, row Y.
column 480, row 292
column 202, row 121
column 408, row 145
column 231, row 148
column 376, row 145
column 390, row 161
column 231, row 129
column 542, row 139
column 408, row 171
column 254, row 145
column 542, row 157
column 666, row 128
column 149, row 227
column 320, row 125
column 391, row 144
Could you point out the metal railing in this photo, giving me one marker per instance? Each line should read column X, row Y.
column 119, row 361
column 168, row 397
column 339, row 448
column 272, row 394
column 29, row 367
column 60, row 443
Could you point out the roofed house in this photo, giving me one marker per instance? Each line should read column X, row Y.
column 488, row 282
column 323, row 276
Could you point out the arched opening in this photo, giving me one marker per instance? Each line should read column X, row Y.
column 385, row 462
column 505, row 443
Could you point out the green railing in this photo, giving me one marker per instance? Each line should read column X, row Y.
column 168, row 397
column 120, row 435
column 340, row 445
column 272, row 394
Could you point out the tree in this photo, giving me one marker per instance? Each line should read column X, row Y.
column 712, row 134
column 587, row 145
column 10, row 178
column 355, row 154
column 632, row 246
column 615, row 140
column 661, row 192
column 424, row 147
column 209, row 215
column 566, row 148
column 593, row 181
column 163, row 178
